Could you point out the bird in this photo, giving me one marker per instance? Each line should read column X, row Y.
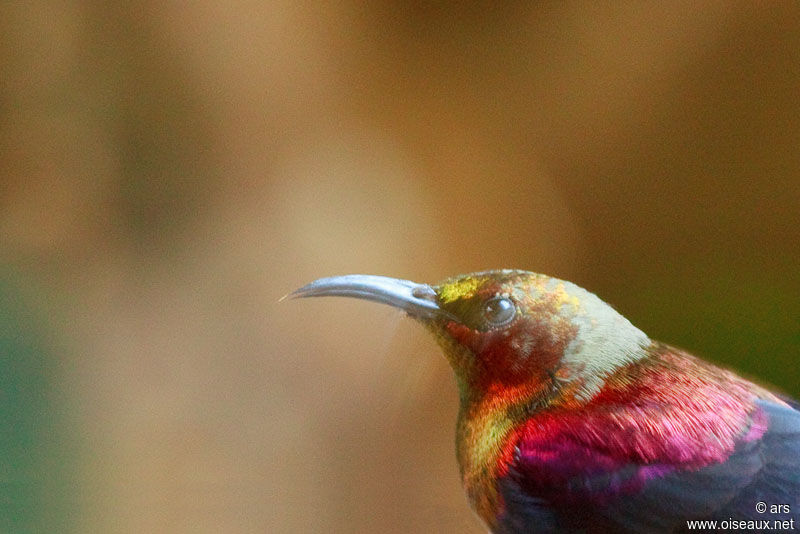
column 571, row 419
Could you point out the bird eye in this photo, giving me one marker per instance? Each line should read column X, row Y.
column 499, row 311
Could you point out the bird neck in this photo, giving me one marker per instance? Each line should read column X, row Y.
column 486, row 422
column 604, row 340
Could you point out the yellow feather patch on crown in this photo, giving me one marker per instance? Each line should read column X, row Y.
column 463, row 288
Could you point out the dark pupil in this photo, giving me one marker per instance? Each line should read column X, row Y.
column 499, row 310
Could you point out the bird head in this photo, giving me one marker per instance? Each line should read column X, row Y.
column 506, row 329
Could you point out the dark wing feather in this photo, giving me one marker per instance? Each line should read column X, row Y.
column 766, row 470
column 525, row 513
column 779, row 481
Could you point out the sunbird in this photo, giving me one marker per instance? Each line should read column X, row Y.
column 571, row 419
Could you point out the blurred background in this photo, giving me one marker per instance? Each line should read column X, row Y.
column 168, row 172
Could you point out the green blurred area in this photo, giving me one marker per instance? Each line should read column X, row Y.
column 736, row 318
column 35, row 457
column 168, row 173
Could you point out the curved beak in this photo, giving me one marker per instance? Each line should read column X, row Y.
column 418, row 300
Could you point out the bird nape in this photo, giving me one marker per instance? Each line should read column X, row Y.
column 573, row 420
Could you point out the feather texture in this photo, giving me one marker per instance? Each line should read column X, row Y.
column 684, row 441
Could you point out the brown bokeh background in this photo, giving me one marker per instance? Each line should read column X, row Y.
column 168, row 172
